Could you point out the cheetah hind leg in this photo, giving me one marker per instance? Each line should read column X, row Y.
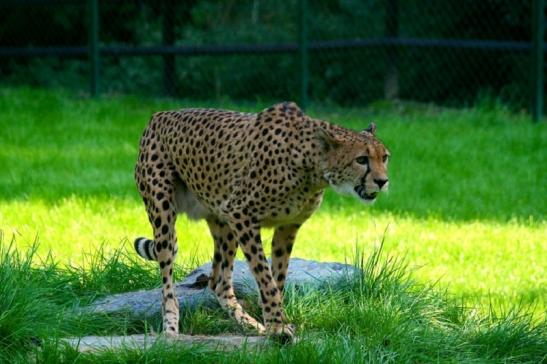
column 220, row 280
column 163, row 249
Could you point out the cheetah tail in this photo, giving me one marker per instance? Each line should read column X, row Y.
column 145, row 248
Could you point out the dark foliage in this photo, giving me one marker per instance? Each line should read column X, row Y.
column 443, row 75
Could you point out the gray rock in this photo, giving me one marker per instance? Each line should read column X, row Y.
column 91, row 344
column 192, row 292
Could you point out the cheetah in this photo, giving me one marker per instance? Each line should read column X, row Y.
column 241, row 172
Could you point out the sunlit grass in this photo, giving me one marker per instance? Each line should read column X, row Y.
column 466, row 213
column 467, row 202
column 477, row 259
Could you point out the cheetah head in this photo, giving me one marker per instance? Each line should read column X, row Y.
column 354, row 163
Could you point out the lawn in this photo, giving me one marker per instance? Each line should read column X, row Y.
column 466, row 208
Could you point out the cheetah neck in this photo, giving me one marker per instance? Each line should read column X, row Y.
column 315, row 158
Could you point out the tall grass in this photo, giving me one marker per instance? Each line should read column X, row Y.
column 40, row 299
column 20, row 320
column 380, row 314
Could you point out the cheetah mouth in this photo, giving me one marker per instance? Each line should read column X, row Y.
column 361, row 191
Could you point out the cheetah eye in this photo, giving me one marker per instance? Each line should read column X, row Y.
column 385, row 158
column 362, row 159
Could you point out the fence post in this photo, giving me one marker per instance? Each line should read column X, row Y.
column 303, row 52
column 94, row 46
column 537, row 59
column 168, row 39
column 391, row 23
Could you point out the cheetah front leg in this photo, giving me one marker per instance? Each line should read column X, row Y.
column 282, row 244
column 220, row 280
column 218, row 233
column 248, row 236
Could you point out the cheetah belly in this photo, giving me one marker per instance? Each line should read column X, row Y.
column 186, row 202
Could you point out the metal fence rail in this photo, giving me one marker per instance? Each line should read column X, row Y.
column 388, row 45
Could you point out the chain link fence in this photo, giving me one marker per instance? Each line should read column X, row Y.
column 345, row 52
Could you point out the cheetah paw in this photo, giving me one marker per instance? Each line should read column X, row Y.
column 170, row 334
column 284, row 333
column 170, row 331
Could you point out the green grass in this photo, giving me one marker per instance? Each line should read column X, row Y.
column 466, row 210
column 382, row 315
column 467, row 203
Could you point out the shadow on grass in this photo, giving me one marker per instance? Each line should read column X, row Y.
column 471, row 164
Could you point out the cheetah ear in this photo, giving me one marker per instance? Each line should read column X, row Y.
column 327, row 139
column 371, row 129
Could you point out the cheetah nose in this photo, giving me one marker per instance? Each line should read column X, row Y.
column 380, row 181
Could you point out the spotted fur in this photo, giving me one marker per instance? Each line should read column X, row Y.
column 241, row 172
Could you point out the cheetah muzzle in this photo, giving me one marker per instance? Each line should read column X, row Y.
column 241, row 172
column 361, row 191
